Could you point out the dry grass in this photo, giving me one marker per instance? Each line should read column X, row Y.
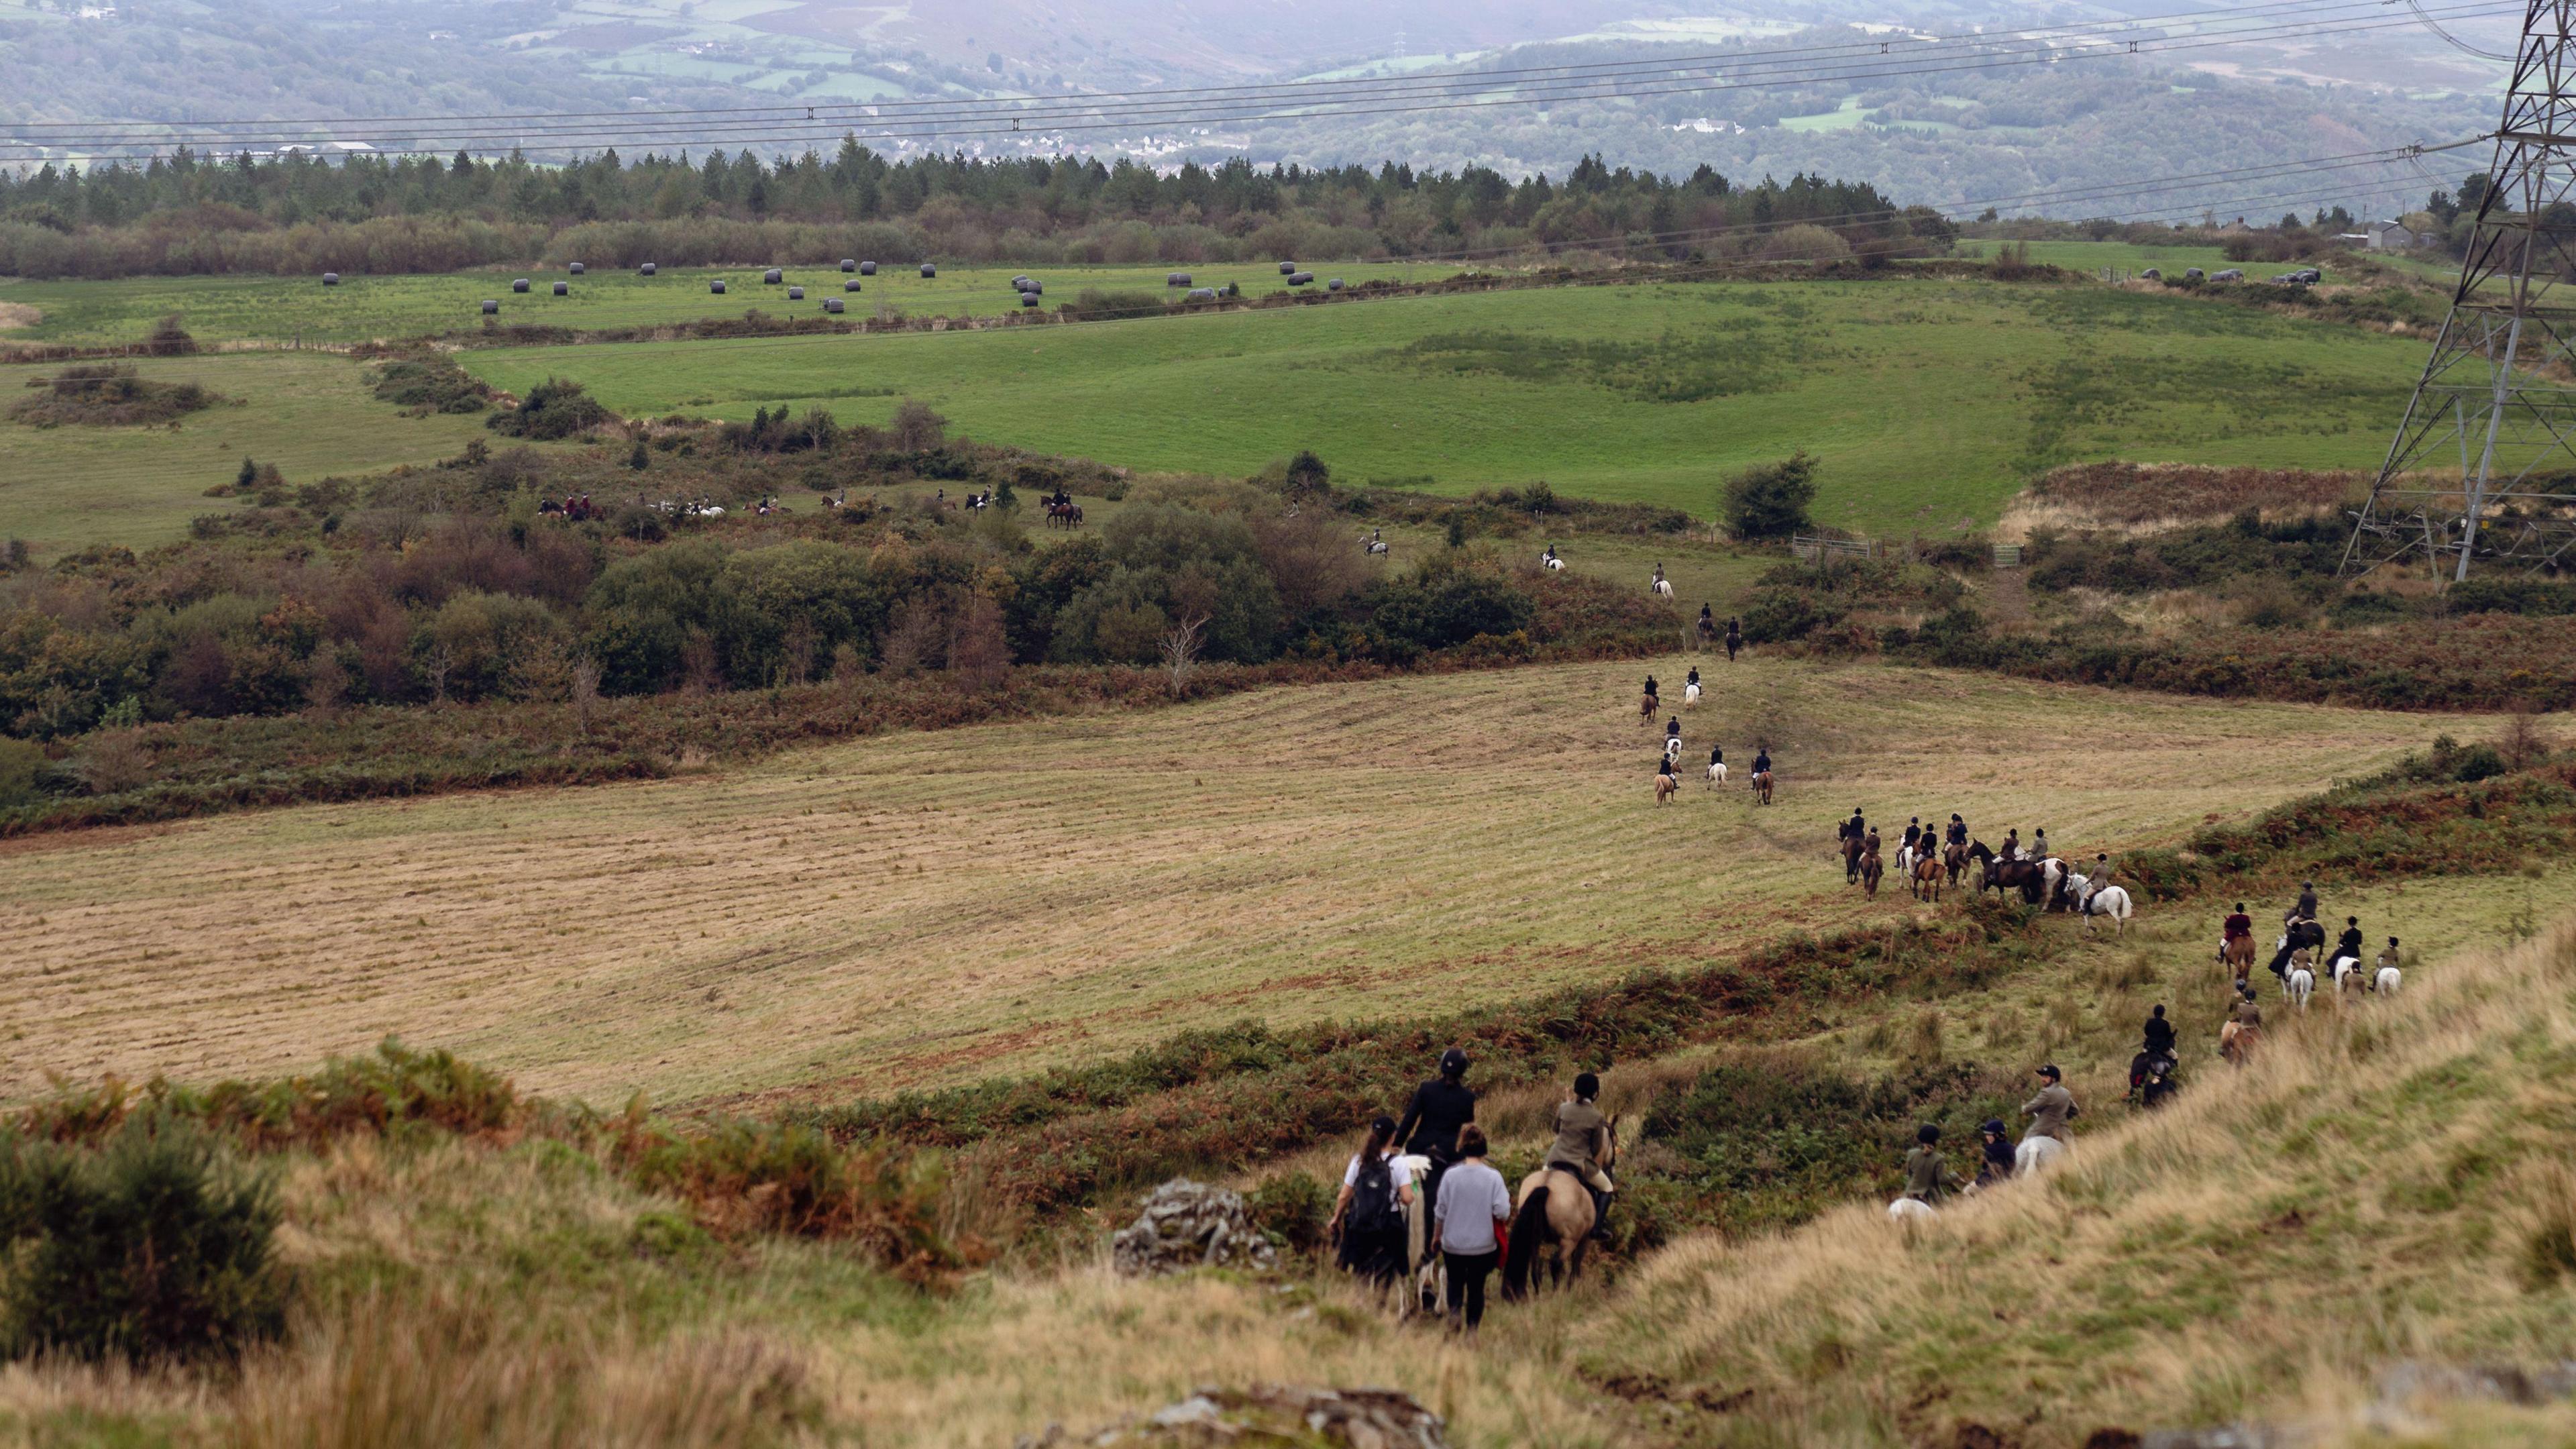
column 2367, row 1192
column 929, row 907
column 2158, row 497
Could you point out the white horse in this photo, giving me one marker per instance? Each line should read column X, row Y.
column 2300, row 983
column 1551, row 562
column 1911, row 1211
column 1672, row 749
column 1427, row 1276
column 1716, row 774
column 2052, row 872
column 2387, row 980
column 1690, row 694
column 2348, row 967
column 1906, row 855
column 1663, row 587
column 2110, row 901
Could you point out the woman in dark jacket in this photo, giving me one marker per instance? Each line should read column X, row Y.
column 1995, row 1154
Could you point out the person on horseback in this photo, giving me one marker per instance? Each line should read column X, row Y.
column 2158, row 1037
column 1581, row 1133
column 1958, row 832
column 1549, row 558
column 2307, row 906
column 1928, row 1177
column 1673, row 728
column 1994, row 1153
column 1707, row 620
column 1439, row 1108
column 1913, row 833
column 1654, row 698
column 2044, row 1142
column 1734, row 639
column 2237, row 924
column 1693, row 681
column 2387, row 961
column 1762, row 759
column 2349, row 943
column 2012, row 844
column 2039, row 843
column 1717, row 754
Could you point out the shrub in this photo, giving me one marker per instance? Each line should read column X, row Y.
column 432, row 384
column 154, row 1245
column 1770, row 500
column 790, row 1178
column 19, row 762
column 552, row 410
column 107, row 394
column 917, row 427
column 1292, row 1208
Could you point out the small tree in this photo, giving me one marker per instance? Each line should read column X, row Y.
column 917, row 427
column 1181, row 645
column 1769, row 500
column 638, row 458
column 248, row 477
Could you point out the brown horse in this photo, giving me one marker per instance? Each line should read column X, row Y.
column 1665, row 785
column 1555, row 1219
column 2240, row 956
column 1064, row 515
column 1870, row 869
column 1762, row 787
column 1926, row 883
column 1851, row 848
column 1954, row 859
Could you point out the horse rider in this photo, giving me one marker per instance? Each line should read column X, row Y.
column 2237, row 924
column 2044, row 1141
column 1694, row 676
column 1913, row 832
column 2349, row 943
column 1707, row 621
column 1849, row 831
column 2387, row 961
column 1654, row 696
column 2243, row 1027
column 1673, row 738
column 1734, row 639
column 1762, row 759
column 1994, row 1153
column 1581, row 1133
column 2302, row 934
column 1958, row 831
column 1431, row 1121
column 1928, row 1178
column 1548, row 557
column 2012, row 844
column 2039, row 843
column 1717, row 754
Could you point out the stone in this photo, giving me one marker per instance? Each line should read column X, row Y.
column 1185, row 1224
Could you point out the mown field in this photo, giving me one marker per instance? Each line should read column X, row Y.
column 362, row 308
column 312, row 414
column 1928, row 402
column 929, row 908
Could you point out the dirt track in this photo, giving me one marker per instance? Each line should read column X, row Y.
column 929, row 907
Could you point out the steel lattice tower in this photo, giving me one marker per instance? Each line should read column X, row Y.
column 2484, row 465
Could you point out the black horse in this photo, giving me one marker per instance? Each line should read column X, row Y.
column 2026, row 876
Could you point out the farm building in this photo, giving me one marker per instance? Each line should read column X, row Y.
column 2389, row 236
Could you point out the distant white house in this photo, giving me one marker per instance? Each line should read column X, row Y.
column 2388, row 236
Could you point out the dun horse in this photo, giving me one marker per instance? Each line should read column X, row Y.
column 1555, row 1221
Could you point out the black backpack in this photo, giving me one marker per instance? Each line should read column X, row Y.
column 1373, row 1199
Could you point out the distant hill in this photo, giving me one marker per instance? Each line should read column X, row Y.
column 1963, row 136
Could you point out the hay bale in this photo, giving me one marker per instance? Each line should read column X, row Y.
column 849, row 264
column 1177, row 279
column 330, row 279
column 867, row 269
column 491, row 307
column 520, row 285
column 717, row 286
column 563, row 289
column 832, row 304
column 796, row 294
column 772, row 277
column 646, row 269
column 576, row 269
column 928, row 270
column 851, row 285
column 1287, row 269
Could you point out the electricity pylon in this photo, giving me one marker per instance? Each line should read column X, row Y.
column 2484, row 465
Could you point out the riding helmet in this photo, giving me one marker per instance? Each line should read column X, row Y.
column 1994, row 1125
column 1453, row 1063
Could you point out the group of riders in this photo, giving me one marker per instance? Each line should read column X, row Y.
column 1433, row 1164
column 2296, row 963
column 1668, row 764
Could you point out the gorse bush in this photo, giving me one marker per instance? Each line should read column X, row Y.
column 554, row 409
column 154, row 1243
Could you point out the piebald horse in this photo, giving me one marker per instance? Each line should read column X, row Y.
column 1555, row 1220
column 2000, row 875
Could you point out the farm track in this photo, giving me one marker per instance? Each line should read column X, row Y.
column 933, row 907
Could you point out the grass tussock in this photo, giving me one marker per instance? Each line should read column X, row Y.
column 2382, row 1184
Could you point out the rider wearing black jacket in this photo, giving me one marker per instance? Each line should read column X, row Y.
column 1432, row 1119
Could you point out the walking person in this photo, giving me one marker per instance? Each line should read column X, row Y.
column 1370, row 1211
column 2043, row 1143
column 1468, row 1222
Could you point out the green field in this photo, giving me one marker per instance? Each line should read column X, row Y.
column 361, row 308
column 310, row 413
column 1930, row 403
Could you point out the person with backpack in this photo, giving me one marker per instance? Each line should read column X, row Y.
column 1370, row 1212
column 1433, row 1119
column 1475, row 1210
